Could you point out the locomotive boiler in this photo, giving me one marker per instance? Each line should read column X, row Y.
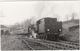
column 48, row 28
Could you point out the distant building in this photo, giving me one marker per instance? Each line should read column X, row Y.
column 4, row 29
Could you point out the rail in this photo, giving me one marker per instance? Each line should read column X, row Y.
column 32, row 44
column 28, row 44
column 58, row 45
column 52, row 45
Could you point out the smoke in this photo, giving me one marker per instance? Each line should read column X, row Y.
column 39, row 8
column 45, row 9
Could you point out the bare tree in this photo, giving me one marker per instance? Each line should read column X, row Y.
column 23, row 27
column 73, row 15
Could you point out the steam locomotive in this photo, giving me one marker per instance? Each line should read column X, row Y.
column 47, row 29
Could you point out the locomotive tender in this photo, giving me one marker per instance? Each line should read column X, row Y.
column 47, row 28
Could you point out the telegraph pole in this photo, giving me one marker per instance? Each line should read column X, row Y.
column 73, row 16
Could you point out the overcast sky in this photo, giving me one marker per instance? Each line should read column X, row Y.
column 16, row 12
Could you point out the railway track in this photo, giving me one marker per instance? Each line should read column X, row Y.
column 31, row 48
column 64, row 44
column 35, row 45
column 51, row 45
column 59, row 45
column 71, row 43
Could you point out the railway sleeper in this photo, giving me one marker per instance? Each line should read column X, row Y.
column 58, row 44
column 69, row 46
column 70, row 43
column 51, row 48
column 62, row 44
column 58, row 47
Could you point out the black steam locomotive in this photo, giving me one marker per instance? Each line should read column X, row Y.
column 47, row 29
